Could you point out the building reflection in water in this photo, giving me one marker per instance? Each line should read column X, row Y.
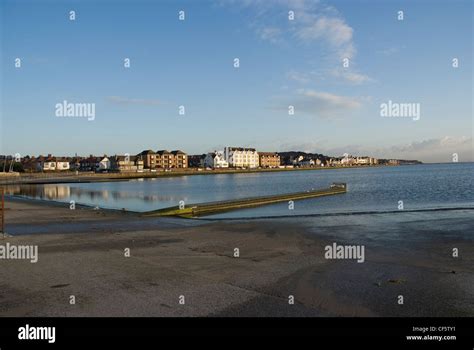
column 49, row 192
column 67, row 192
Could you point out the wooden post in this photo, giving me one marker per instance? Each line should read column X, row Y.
column 3, row 211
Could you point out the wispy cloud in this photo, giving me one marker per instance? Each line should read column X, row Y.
column 270, row 33
column 350, row 76
column 327, row 101
column 320, row 104
column 133, row 101
column 333, row 30
column 314, row 21
column 299, row 77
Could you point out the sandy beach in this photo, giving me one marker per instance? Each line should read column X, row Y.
column 82, row 253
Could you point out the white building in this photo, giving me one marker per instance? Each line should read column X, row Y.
column 47, row 165
column 62, row 164
column 362, row 160
column 104, row 164
column 53, row 164
column 215, row 160
column 297, row 159
column 348, row 161
column 240, row 157
column 306, row 162
column 366, row 161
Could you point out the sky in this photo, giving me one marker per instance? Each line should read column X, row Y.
column 335, row 62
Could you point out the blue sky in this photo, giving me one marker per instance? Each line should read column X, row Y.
column 282, row 63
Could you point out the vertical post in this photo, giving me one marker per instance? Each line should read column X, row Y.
column 3, row 212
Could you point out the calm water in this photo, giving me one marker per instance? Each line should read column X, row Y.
column 369, row 189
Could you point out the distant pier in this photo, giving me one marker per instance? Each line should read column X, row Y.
column 202, row 209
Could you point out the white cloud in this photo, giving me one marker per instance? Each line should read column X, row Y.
column 335, row 31
column 330, row 101
column 325, row 104
column 437, row 150
column 429, row 151
column 350, row 76
column 320, row 104
column 313, row 22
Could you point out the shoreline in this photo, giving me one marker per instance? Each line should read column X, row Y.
column 71, row 177
column 142, row 214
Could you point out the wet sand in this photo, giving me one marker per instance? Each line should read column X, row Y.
column 81, row 253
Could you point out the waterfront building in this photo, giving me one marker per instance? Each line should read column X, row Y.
column 180, row 159
column 163, row 159
column 215, row 160
column 51, row 163
column 362, row 161
column 29, row 164
column 348, row 161
column 90, row 163
column 269, row 159
column 196, row 161
column 168, row 160
column 241, row 157
column 306, row 162
column 296, row 159
column 104, row 164
column 149, row 159
column 126, row 163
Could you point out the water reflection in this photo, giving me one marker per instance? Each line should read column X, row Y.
column 48, row 192
column 369, row 189
column 66, row 192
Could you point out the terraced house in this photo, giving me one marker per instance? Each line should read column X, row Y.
column 164, row 159
column 51, row 163
column 90, row 163
column 269, row 159
column 149, row 159
column 180, row 159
